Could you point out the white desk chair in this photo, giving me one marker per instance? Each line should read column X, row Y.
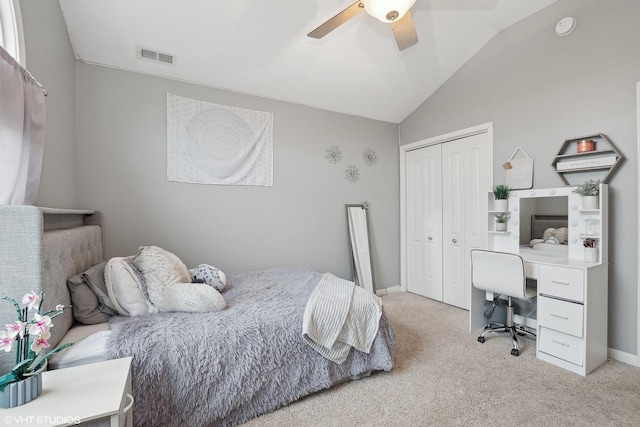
column 502, row 273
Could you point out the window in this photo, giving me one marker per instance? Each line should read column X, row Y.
column 11, row 29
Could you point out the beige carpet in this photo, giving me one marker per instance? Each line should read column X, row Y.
column 444, row 377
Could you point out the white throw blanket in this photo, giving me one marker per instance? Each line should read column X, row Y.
column 340, row 315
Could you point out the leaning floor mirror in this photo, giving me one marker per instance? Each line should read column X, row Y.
column 360, row 245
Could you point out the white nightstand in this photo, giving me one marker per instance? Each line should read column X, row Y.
column 77, row 395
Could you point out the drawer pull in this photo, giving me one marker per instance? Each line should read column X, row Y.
column 558, row 316
column 560, row 282
column 564, row 344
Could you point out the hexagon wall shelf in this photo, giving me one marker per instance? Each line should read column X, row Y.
column 587, row 153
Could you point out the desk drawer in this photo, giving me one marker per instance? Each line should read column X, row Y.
column 562, row 282
column 562, row 316
column 562, row 346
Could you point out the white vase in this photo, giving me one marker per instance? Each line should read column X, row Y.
column 501, row 205
column 589, row 202
column 501, row 226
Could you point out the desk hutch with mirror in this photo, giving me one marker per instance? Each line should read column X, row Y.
column 572, row 277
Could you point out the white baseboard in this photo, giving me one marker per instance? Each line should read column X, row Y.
column 623, row 357
column 390, row 290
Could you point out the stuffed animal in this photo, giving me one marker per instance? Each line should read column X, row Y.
column 555, row 236
column 205, row 273
column 169, row 283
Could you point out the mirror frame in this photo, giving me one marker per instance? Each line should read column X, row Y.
column 357, row 275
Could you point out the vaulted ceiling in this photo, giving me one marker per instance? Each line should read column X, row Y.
column 260, row 47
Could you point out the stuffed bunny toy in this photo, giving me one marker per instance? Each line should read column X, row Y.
column 170, row 286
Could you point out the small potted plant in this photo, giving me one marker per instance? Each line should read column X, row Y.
column 501, row 195
column 501, row 221
column 29, row 337
column 589, row 191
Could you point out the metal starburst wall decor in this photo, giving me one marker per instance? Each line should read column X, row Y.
column 369, row 156
column 333, row 154
column 352, row 174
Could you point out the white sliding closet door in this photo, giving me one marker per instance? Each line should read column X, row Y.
column 424, row 221
column 466, row 178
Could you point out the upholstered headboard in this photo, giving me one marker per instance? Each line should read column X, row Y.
column 540, row 223
column 39, row 249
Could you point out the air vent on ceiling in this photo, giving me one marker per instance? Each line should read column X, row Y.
column 154, row 55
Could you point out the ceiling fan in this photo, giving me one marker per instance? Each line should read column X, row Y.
column 395, row 12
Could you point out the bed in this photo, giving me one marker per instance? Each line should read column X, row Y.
column 549, row 234
column 220, row 368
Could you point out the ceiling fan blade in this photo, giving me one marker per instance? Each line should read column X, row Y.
column 337, row 20
column 404, row 31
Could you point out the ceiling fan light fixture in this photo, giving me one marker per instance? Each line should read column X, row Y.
column 387, row 10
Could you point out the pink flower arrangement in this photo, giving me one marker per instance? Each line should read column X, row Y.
column 29, row 337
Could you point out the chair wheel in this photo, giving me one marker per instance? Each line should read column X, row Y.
column 480, row 339
column 515, row 352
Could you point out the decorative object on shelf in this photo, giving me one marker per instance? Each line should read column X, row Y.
column 30, row 338
column 333, row 154
column 369, row 156
column 352, row 174
column 589, row 191
column 591, row 226
column 585, row 146
column 501, row 221
column 594, row 153
column 519, row 170
column 501, row 195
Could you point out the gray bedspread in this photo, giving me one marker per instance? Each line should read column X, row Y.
column 225, row 368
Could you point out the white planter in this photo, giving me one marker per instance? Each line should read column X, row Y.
column 591, row 254
column 501, row 226
column 589, row 202
column 501, row 205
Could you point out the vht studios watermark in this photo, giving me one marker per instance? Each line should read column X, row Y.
column 34, row 420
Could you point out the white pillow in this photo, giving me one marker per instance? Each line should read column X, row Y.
column 126, row 289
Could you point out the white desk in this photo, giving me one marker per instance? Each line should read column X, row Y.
column 76, row 395
column 572, row 311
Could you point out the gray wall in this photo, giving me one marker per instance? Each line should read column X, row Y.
column 51, row 61
column 539, row 89
column 301, row 220
column 112, row 157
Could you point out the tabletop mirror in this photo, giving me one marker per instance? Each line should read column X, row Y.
column 360, row 245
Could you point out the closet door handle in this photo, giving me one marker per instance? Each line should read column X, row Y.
column 429, row 238
column 454, row 240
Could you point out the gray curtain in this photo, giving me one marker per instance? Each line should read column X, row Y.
column 22, row 132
